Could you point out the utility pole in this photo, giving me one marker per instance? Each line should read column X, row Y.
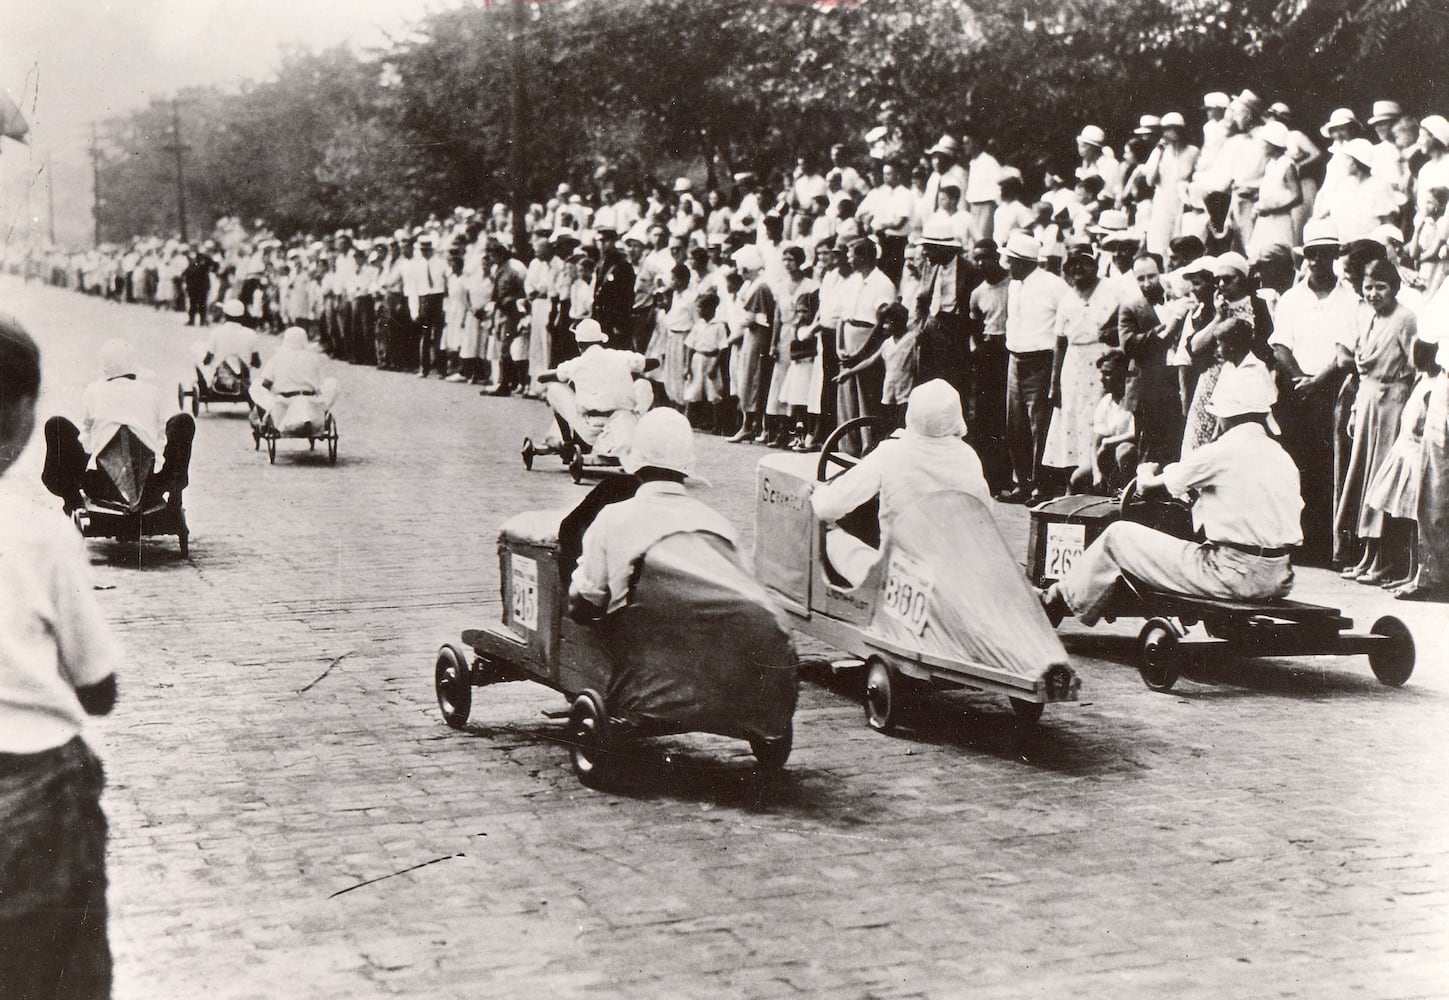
column 515, row 134
column 177, row 148
column 96, row 181
column 50, row 196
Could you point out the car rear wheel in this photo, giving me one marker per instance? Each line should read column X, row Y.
column 588, row 733
column 453, row 684
column 1392, row 661
column 884, row 694
column 1161, row 655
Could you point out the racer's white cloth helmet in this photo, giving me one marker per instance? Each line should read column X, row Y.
column 589, row 332
column 233, row 309
column 117, row 359
column 934, row 410
column 295, row 338
column 663, row 439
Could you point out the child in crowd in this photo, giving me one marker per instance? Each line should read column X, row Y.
column 704, row 393
column 1427, row 245
column 1395, row 489
column 57, row 665
column 803, row 346
column 1114, row 432
column 897, row 353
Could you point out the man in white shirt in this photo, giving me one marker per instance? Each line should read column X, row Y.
column 925, row 458
column 1034, row 301
column 945, row 169
column 1314, row 332
column 597, row 395
column 892, row 206
column 425, row 282
column 1248, row 505
column 981, row 192
column 662, row 456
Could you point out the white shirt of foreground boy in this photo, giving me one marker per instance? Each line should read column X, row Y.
column 622, row 532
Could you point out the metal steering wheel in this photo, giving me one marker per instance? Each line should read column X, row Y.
column 830, row 453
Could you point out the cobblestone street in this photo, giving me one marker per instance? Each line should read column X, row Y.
column 290, row 817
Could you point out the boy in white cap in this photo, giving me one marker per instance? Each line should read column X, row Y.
column 1248, row 505
column 597, row 395
column 58, row 663
column 232, row 338
column 927, row 457
column 662, row 456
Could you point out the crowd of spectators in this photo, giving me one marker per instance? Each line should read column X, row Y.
column 1085, row 316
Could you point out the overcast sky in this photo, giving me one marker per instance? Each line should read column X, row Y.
column 70, row 62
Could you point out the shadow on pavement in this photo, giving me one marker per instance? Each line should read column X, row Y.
column 1308, row 678
column 986, row 724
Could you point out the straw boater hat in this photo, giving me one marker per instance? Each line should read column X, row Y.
column 1020, row 246
column 1093, row 136
column 938, row 232
column 1320, row 233
column 1385, row 111
column 1217, row 99
column 1173, row 120
column 682, row 185
column 1113, row 220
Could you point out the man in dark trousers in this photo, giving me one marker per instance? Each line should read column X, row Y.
column 197, row 279
column 613, row 288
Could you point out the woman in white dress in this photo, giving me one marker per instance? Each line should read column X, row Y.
column 1279, row 192
column 1169, row 167
column 1087, row 326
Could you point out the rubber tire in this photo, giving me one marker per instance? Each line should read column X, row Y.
column 1393, row 664
column 330, row 426
column 196, row 402
column 527, row 453
column 271, row 451
column 1027, row 711
column 256, row 439
column 1161, row 656
column 453, row 686
column 588, row 734
column 180, row 397
column 771, row 755
column 883, row 691
column 576, row 469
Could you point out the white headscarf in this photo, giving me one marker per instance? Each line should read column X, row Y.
column 934, row 411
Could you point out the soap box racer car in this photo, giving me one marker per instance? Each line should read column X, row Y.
column 121, row 498
column 306, row 420
column 231, row 384
column 699, row 648
column 597, row 445
column 1061, row 529
column 945, row 605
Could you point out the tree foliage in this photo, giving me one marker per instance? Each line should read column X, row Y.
column 655, row 87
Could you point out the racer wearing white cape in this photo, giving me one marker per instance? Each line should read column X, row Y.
column 596, row 394
column 228, row 339
column 927, row 457
column 1249, row 506
column 662, row 455
column 290, row 387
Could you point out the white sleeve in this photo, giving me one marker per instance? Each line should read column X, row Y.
column 88, row 651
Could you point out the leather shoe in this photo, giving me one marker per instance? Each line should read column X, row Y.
column 1013, row 495
column 743, row 434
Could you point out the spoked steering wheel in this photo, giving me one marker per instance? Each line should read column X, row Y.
column 832, row 452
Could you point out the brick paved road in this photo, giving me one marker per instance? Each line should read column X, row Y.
column 277, row 757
